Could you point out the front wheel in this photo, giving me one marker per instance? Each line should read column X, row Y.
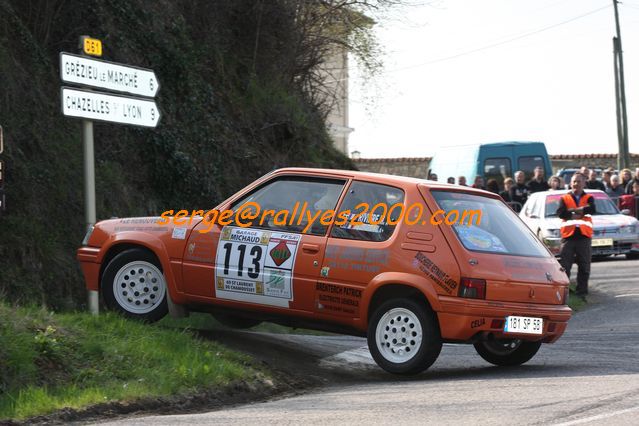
column 507, row 352
column 133, row 284
column 403, row 336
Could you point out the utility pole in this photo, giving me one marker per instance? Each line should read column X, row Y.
column 623, row 160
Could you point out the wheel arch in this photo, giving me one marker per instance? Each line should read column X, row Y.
column 393, row 285
column 153, row 246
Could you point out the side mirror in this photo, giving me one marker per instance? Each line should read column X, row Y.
column 626, row 212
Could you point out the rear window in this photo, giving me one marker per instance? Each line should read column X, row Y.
column 499, row 231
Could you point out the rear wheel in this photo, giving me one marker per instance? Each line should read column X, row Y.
column 507, row 352
column 133, row 284
column 403, row 336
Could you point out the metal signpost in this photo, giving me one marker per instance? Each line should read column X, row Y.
column 92, row 106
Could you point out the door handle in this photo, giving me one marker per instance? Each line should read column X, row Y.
column 310, row 248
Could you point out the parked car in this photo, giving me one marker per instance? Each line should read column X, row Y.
column 613, row 232
column 405, row 280
column 497, row 160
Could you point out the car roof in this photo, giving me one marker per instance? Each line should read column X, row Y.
column 378, row 178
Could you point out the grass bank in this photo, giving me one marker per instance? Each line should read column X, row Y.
column 51, row 361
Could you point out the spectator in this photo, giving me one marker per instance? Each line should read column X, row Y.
column 519, row 191
column 575, row 209
column 615, row 189
column 451, row 180
column 461, row 181
column 554, row 183
column 505, row 194
column 537, row 183
column 632, row 181
column 584, row 171
column 492, row 186
column 479, row 182
column 593, row 183
column 626, row 176
column 630, row 201
column 433, row 176
column 605, row 177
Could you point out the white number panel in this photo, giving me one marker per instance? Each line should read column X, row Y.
column 256, row 266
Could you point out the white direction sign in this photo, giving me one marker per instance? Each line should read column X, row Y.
column 112, row 108
column 108, row 75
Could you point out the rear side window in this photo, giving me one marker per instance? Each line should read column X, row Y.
column 498, row 169
column 498, row 231
column 363, row 202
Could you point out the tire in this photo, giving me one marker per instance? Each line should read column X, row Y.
column 233, row 321
column 407, row 349
column 507, row 352
column 133, row 284
column 633, row 255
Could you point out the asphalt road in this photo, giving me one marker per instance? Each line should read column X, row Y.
column 590, row 376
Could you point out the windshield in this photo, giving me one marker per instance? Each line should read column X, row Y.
column 603, row 205
column 499, row 231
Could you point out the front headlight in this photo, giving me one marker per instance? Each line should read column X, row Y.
column 628, row 229
column 85, row 241
column 552, row 233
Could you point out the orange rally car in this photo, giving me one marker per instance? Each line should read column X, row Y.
column 404, row 273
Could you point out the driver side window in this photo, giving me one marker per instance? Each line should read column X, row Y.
column 289, row 203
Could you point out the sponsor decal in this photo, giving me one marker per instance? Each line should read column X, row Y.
column 280, row 253
column 178, row 233
column 324, row 271
column 356, row 259
column 340, row 300
column 436, row 274
column 477, row 323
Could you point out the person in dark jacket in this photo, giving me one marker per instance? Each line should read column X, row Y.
column 519, row 192
column 505, row 194
column 632, row 181
column 575, row 210
column 538, row 183
column 593, row 183
column 492, row 186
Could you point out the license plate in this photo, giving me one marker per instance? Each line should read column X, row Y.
column 600, row 242
column 525, row 325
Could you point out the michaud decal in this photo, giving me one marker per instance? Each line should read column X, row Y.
column 441, row 278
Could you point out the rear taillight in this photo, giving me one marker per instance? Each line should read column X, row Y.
column 473, row 288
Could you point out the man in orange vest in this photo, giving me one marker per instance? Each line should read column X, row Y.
column 576, row 208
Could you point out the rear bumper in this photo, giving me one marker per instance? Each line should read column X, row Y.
column 463, row 319
column 88, row 258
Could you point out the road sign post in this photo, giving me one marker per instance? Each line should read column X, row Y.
column 90, row 106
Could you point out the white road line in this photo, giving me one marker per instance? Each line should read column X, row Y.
column 627, row 295
column 598, row 417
